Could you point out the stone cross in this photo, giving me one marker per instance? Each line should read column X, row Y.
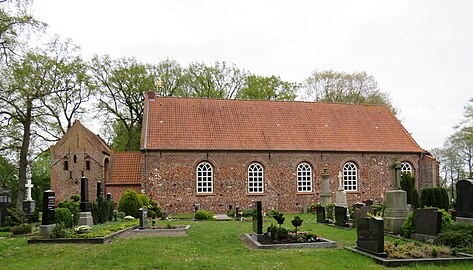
column 396, row 176
column 28, row 187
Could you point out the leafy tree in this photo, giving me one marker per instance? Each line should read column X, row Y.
column 121, row 139
column 269, row 88
column 9, row 176
column 341, row 87
column 171, row 78
column 217, row 81
column 121, row 85
column 28, row 84
column 15, row 20
column 41, row 176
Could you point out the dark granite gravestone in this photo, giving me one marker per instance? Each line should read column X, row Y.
column 238, row 214
column 143, row 218
column 370, row 232
column 5, row 201
column 109, row 196
column 84, row 195
column 257, row 218
column 49, row 207
column 320, row 214
column 362, row 212
column 427, row 223
column 99, row 189
column 368, row 202
column 341, row 216
column 465, row 198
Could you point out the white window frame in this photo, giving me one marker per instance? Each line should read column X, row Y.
column 255, row 178
column 350, row 176
column 304, row 177
column 204, row 178
column 406, row 167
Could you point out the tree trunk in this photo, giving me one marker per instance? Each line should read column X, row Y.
column 25, row 145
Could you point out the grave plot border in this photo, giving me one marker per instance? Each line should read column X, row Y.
column 326, row 243
column 180, row 228
column 390, row 262
column 97, row 240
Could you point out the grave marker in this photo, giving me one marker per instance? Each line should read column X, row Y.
column 5, row 201
column 257, row 218
column 320, row 214
column 48, row 216
column 341, row 218
column 427, row 223
column 370, row 232
column 85, row 217
column 143, row 218
column 465, row 198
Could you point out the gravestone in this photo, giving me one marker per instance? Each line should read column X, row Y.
column 238, row 214
column 427, row 223
column 370, row 232
column 99, row 189
column 143, row 218
column 5, row 201
column 465, row 201
column 341, row 216
column 305, row 208
column 29, row 204
column 109, row 196
column 47, row 218
column 257, row 221
column 325, row 197
column 396, row 204
column 197, row 207
column 320, row 214
column 362, row 212
column 341, row 195
column 85, row 217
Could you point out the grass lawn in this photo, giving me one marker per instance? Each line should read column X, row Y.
column 209, row 245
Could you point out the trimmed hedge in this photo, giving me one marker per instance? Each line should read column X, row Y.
column 64, row 217
column 203, row 214
column 434, row 197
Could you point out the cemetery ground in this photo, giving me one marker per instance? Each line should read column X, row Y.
column 209, row 244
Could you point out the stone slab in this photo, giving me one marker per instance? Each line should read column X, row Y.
column 85, row 218
column 45, row 230
column 465, row 220
column 326, row 243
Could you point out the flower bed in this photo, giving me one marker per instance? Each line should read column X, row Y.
column 97, row 234
column 266, row 243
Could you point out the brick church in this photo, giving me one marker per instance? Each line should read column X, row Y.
column 226, row 153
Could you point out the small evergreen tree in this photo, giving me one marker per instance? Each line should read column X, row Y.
column 297, row 222
column 408, row 185
column 129, row 203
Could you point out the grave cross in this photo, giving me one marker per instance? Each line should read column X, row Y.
column 28, row 187
column 340, row 183
column 396, row 176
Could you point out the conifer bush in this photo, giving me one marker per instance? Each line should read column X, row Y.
column 129, row 203
column 63, row 216
column 434, row 197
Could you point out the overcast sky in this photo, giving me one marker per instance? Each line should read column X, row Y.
column 420, row 52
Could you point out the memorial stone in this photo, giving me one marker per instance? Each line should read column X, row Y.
column 362, row 212
column 85, row 217
column 99, row 189
column 325, row 197
column 5, row 201
column 341, row 195
column 465, row 198
column 258, row 218
column 48, row 216
column 396, row 204
column 197, row 207
column 370, row 232
column 305, row 208
column 341, row 218
column 320, row 214
column 109, row 196
column 143, row 218
column 427, row 223
column 29, row 205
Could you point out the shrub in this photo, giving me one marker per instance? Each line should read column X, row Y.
column 297, row 222
column 102, row 210
column 74, row 208
column 330, row 209
column 408, row 226
column 203, row 214
column 121, row 215
column 143, row 199
column 13, row 218
column 61, row 231
column 434, row 197
column 277, row 233
column 5, row 228
column 457, row 235
column 129, row 203
column 21, row 229
column 33, row 217
column 278, row 216
column 408, row 184
column 153, row 206
column 63, row 216
column 446, row 218
column 75, row 198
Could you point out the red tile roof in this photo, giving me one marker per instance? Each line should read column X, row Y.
column 126, row 168
column 215, row 124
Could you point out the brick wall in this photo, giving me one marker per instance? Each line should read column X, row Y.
column 172, row 180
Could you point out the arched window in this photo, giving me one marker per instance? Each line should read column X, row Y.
column 350, row 176
column 204, row 178
column 255, row 178
column 406, row 168
column 304, row 178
